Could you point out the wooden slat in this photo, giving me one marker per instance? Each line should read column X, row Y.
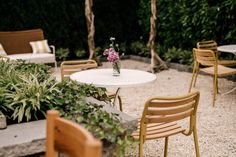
column 165, row 134
column 152, row 126
column 159, row 131
column 68, row 137
column 169, row 111
column 79, row 66
column 156, row 126
column 202, row 58
column 168, row 118
column 169, row 103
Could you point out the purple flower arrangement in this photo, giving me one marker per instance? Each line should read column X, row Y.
column 112, row 54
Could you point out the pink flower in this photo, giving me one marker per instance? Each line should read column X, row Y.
column 112, row 55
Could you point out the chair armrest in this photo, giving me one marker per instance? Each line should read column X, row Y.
column 53, row 48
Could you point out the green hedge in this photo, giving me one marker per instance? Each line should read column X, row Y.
column 180, row 23
column 64, row 22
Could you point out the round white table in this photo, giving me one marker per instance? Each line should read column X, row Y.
column 104, row 77
column 227, row 48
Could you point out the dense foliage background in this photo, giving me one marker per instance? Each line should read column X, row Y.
column 180, row 23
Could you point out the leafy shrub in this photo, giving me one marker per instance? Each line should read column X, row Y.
column 62, row 54
column 139, row 48
column 25, row 96
column 179, row 56
column 80, row 53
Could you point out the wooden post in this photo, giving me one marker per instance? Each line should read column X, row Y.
column 91, row 30
column 157, row 63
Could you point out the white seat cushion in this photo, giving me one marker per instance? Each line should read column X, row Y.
column 2, row 51
column 34, row 58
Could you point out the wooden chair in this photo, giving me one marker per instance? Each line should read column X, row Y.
column 70, row 67
column 70, row 138
column 212, row 45
column 208, row 61
column 160, row 116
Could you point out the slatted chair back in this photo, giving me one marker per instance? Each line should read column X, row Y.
column 212, row 45
column 169, row 109
column 70, row 67
column 207, row 45
column 160, row 116
column 205, row 57
column 69, row 138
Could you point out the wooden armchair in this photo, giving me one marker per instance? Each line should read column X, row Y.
column 70, row 67
column 207, row 61
column 160, row 116
column 70, row 138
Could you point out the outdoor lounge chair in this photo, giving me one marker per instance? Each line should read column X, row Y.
column 159, row 119
column 70, row 138
column 207, row 62
column 70, row 67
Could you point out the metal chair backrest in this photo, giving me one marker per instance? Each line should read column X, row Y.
column 70, row 67
column 169, row 109
column 205, row 57
column 207, row 45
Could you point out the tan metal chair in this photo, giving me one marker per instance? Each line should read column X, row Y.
column 207, row 61
column 160, row 116
column 64, row 136
column 212, row 45
column 70, row 67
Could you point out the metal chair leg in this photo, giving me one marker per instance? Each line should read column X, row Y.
column 214, row 89
column 140, row 152
column 196, row 142
column 120, row 103
column 166, row 146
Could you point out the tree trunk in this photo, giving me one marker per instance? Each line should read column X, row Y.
column 91, row 30
column 157, row 64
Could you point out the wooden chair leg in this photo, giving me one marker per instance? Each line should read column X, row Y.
column 196, row 142
column 120, row 103
column 166, row 147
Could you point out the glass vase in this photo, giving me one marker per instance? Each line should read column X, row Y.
column 116, row 68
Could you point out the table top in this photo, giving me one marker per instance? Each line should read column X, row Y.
column 104, row 77
column 227, row 48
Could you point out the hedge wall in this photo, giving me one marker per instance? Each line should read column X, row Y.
column 64, row 23
column 180, row 23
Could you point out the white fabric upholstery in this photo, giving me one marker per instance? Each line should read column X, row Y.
column 2, row 51
column 40, row 46
column 34, row 58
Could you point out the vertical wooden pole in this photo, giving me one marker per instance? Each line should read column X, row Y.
column 91, row 30
column 157, row 63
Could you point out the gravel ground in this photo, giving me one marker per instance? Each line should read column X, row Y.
column 216, row 125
